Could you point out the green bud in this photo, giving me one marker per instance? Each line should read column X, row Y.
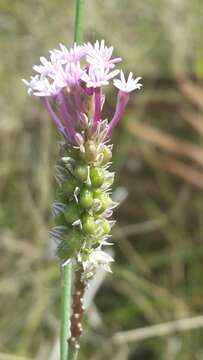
column 81, row 172
column 59, row 219
column 71, row 213
column 106, row 228
column 90, row 152
column 109, row 178
column 107, row 155
column 88, row 223
column 104, row 199
column 96, row 176
column 86, row 198
column 64, row 251
column 69, row 186
column 70, row 244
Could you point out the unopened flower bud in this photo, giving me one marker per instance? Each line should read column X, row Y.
column 96, row 176
column 81, row 172
column 105, row 226
column 97, row 205
column 69, row 186
column 71, row 213
column 86, row 198
column 90, row 151
column 69, row 246
column 107, row 155
column 109, row 179
column 104, row 199
column 89, row 224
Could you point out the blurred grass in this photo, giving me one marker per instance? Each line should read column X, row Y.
column 158, row 156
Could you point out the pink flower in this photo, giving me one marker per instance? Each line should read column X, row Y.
column 72, row 78
column 100, row 55
column 40, row 86
column 46, row 68
column 97, row 77
column 125, row 88
column 129, row 85
column 67, row 75
column 65, row 56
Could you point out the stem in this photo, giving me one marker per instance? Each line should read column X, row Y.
column 97, row 108
column 65, row 309
column 73, row 355
column 51, row 112
column 66, row 117
column 78, row 33
column 67, row 270
column 77, row 315
column 122, row 100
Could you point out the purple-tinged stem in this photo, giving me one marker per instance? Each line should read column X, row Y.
column 103, row 97
column 78, row 102
column 68, row 121
column 97, row 107
column 53, row 115
column 89, row 91
column 122, row 100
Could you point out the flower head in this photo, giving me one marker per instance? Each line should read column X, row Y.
column 98, row 76
column 65, row 56
column 129, row 85
column 41, row 86
column 70, row 77
column 97, row 259
column 99, row 55
column 45, row 68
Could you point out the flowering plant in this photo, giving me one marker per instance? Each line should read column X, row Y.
column 71, row 85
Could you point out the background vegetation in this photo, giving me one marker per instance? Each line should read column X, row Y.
column 157, row 276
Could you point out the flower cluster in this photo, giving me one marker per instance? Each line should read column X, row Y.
column 71, row 86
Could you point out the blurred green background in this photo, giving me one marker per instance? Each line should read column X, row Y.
column 158, row 153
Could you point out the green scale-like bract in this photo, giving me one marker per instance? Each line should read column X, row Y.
column 84, row 194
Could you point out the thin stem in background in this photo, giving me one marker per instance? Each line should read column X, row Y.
column 79, row 18
column 65, row 309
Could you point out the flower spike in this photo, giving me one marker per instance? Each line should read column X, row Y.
column 71, row 85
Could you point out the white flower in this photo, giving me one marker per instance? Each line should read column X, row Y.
column 46, row 67
column 129, row 85
column 74, row 73
column 31, row 84
column 40, row 86
column 63, row 74
column 99, row 55
column 97, row 259
column 97, row 77
column 65, row 56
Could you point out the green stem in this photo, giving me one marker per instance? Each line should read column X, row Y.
column 65, row 309
column 79, row 17
column 73, row 355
